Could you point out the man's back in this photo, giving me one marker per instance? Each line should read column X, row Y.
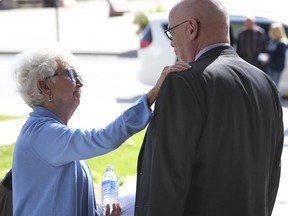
column 238, row 141
column 215, row 143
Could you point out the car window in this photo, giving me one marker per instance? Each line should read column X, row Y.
column 146, row 34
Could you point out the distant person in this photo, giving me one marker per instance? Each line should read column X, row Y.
column 214, row 144
column 50, row 175
column 251, row 41
column 277, row 51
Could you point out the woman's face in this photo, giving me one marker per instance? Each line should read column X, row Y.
column 65, row 89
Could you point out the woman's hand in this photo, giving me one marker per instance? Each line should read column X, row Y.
column 177, row 67
column 116, row 211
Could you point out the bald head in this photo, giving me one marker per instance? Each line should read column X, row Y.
column 210, row 13
column 211, row 16
column 250, row 23
column 204, row 9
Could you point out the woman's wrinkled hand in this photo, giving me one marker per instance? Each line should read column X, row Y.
column 177, row 67
column 116, row 210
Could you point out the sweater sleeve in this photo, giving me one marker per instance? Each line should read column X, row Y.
column 58, row 144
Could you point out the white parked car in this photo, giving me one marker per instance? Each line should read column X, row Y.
column 155, row 51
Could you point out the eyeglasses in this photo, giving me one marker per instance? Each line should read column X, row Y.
column 71, row 73
column 168, row 31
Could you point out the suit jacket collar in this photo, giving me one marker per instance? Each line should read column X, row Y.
column 209, row 48
column 217, row 51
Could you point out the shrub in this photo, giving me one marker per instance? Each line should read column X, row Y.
column 141, row 17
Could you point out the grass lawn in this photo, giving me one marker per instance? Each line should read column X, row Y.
column 124, row 160
column 7, row 117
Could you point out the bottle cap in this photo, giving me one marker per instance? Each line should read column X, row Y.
column 109, row 168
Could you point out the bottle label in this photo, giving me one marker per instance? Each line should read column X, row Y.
column 109, row 185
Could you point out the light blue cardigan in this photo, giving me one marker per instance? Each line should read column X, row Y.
column 49, row 177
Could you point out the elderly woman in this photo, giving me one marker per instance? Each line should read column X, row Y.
column 50, row 176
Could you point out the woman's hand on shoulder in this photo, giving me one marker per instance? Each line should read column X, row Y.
column 177, row 67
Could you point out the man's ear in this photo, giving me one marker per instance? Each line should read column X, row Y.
column 193, row 28
column 43, row 88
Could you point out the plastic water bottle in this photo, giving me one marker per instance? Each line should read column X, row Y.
column 109, row 188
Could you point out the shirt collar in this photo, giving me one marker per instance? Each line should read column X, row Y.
column 40, row 111
column 209, row 48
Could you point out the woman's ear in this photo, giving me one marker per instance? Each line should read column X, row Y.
column 43, row 88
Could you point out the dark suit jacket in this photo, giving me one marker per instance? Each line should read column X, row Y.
column 213, row 147
column 6, row 205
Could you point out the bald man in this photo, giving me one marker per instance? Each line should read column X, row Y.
column 214, row 145
column 251, row 41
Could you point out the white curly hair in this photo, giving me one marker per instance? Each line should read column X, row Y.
column 33, row 65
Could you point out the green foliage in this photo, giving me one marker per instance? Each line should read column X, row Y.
column 7, row 117
column 159, row 8
column 124, row 160
column 6, row 152
column 141, row 17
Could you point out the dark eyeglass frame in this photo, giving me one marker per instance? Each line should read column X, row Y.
column 168, row 31
column 71, row 73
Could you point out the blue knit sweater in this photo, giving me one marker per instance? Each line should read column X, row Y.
column 49, row 177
